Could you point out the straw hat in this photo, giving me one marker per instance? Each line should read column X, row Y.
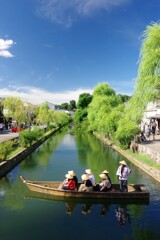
column 123, row 162
column 103, row 176
column 88, row 171
column 72, row 173
column 85, row 177
column 105, row 171
column 69, row 176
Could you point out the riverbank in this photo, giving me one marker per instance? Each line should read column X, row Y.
column 152, row 171
column 152, row 148
column 9, row 164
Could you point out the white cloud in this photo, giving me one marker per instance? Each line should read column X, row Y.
column 4, row 45
column 38, row 96
column 64, row 11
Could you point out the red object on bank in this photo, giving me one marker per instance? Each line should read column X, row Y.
column 15, row 129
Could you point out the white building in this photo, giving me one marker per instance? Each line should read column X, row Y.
column 152, row 112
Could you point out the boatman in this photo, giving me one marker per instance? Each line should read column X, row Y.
column 122, row 173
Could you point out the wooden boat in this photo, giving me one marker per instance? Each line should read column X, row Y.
column 135, row 191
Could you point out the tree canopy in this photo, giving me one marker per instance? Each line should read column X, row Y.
column 103, row 89
column 148, row 79
column 84, row 100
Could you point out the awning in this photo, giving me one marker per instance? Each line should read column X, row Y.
column 157, row 116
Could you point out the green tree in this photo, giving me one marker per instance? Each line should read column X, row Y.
column 80, row 115
column 84, row 100
column 72, row 105
column 43, row 114
column 147, row 84
column 99, row 112
column 64, row 106
column 148, row 78
column 123, row 98
column 14, row 108
column 103, row 89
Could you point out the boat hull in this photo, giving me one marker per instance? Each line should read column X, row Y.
column 51, row 188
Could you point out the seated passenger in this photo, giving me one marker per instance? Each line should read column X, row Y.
column 91, row 176
column 87, row 184
column 69, row 183
column 104, row 185
column 74, row 177
column 107, row 174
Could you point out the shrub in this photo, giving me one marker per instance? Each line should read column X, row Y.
column 126, row 132
column 28, row 137
column 6, row 148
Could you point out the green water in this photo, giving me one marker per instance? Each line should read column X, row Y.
column 25, row 215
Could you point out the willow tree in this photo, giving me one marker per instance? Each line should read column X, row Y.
column 147, row 84
column 15, row 108
column 101, row 112
column 148, row 79
column 103, row 89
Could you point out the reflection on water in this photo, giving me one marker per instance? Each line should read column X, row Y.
column 104, row 210
column 122, row 215
column 20, row 210
column 13, row 175
column 121, row 211
column 70, row 207
column 86, row 209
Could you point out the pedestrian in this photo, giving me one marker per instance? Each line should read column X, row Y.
column 1, row 127
column 122, row 173
column 153, row 128
column 148, row 132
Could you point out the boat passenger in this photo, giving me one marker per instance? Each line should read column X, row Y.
column 122, row 173
column 104, row 185
column 107, row 174
column 91, row 176
column 86, row 184
column 74, row 177
column 69, row 183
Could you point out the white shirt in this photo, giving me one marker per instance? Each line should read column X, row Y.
column 91, row 177
column 125, row 173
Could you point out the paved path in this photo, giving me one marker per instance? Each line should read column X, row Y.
column 155, row 145
column 7, row 135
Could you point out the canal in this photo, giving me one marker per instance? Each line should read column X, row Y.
column 24, row 215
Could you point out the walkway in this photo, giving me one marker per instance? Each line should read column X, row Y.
column 152, row 149
column 7, row 135
column 155, row 144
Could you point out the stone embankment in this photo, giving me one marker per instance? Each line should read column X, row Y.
column 151, row 149
column 9, row 164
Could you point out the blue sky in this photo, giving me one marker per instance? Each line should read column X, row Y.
column 54, row 50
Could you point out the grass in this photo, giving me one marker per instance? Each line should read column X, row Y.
column 144, row 159
column 14, row 152
column 16, row 149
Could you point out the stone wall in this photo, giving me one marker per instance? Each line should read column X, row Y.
column 150, row 152
column 7, row 166
column 151, row 171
